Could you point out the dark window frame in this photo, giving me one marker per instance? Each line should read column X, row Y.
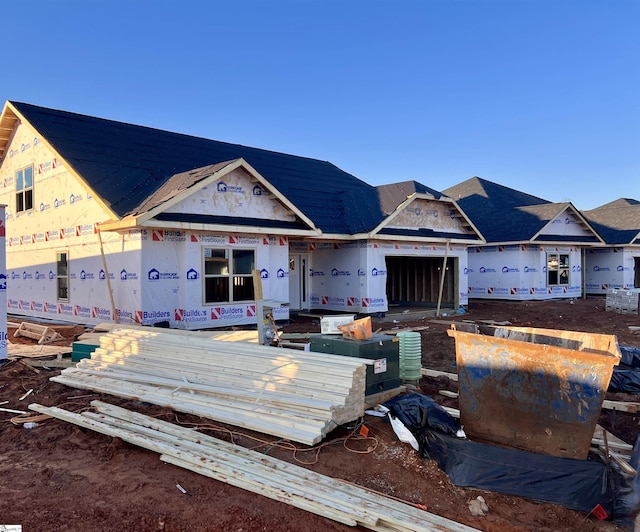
column 228, row 275
column 24, row 192
column 62, row 275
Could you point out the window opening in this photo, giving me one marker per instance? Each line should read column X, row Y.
column 228, row 275
column 62, row 275
column 24, row 189
column 558, row 268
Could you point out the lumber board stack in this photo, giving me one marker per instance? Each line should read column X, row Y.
column 295, row 395
column 334, row 499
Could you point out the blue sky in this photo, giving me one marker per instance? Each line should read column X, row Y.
column 541, row 96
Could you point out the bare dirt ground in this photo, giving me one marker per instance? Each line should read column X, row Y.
column 60, row 477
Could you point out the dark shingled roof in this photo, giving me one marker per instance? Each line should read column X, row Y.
column 503, row 214
column 618, row 222
column 125, row 164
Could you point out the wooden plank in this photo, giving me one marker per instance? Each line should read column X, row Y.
column 259, row 473
column 621, row 406
column 435, row 373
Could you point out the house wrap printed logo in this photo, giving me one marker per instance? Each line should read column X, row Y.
column 372, row 302
column 227, row 313
column 86, row 276
column 82, row 311
column 122, row 314
column 101, row 313
column 127, row 276
column 506, row 269
column 375, row 272
column 190, row 316
column 316, row 273
column 339, row 273
column 487, row 270
column 281, row 274
column 330, row 300
column 148, row 316
column 223, row 187
column 158, row 235
column 154, row 275
column 66, row 309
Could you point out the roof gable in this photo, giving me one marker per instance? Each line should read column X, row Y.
column 124, row 164
column 503, row 214
column 421, row 215
column 231, row 190
column 618, row 222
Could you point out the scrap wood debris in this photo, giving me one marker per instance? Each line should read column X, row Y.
column 334, row 499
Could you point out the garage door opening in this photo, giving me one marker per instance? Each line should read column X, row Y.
column 415, row 281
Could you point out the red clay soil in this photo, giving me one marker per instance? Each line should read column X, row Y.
column 60, row 477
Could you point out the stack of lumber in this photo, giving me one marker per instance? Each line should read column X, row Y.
column 294, row 485
column 287, row 393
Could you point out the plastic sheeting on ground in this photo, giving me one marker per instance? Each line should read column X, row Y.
column 577, row 484
column 626, row 376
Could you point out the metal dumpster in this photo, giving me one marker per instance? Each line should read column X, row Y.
column 535, row 389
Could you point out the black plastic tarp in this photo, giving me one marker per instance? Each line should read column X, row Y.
column 416, row 410
column 626, row 376
column 576, row 484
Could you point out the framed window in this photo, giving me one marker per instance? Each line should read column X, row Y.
column 24, row 189
column 228, row 275
column 62, row 275
column 558, row 268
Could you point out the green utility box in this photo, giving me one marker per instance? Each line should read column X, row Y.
column 384, row 349
column 81, row 349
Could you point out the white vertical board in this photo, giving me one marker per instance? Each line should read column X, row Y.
column 519, row 272
column 609, row 268
column 4, row 339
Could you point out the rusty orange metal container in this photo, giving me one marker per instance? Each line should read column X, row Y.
column 535, row 389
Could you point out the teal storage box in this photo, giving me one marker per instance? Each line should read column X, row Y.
column 82, row 350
